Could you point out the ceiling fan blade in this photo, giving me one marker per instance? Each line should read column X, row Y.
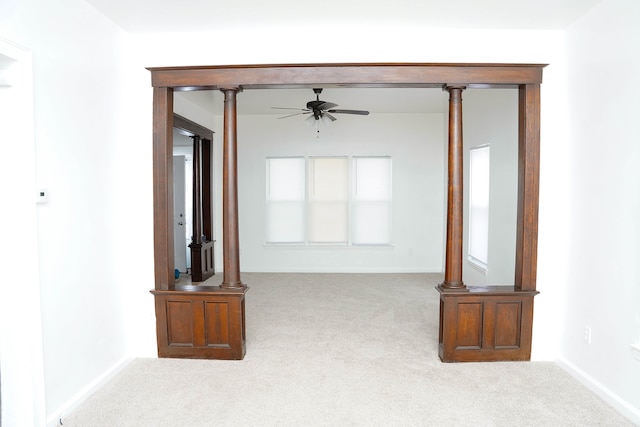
column 295, row 114
column 326, row 105
column 288, row 108
column 329, row 116
column 359, row 112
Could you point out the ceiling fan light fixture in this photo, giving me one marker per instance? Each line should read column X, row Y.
column 319, row 110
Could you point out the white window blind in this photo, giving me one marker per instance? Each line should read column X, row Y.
column 479, row 162
column 285, row 200
column 329, row 200
column 372, row 200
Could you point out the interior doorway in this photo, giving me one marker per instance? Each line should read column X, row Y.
column 21, row 358
column 180, row 218
column 192, row 218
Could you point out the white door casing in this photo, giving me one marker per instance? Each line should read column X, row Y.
column 179, row 214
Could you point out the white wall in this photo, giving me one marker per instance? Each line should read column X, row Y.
column 416, row 144
column 93, row 154
column 21, row 352
column 602, row 283
column 96, row 254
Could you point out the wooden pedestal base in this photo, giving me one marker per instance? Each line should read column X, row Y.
column 197, row 322
column 485, row 324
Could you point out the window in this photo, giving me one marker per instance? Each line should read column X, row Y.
column 372, row 201
column 329, row 200
column 479, row 159
column 285, row 200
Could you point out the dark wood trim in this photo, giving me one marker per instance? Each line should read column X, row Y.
column 352, row 75
column 163, row 187
column 528, row 186
column 191, row 128
column 197, row 191
column 207, row 188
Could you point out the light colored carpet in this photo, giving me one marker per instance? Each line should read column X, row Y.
column 342, row 350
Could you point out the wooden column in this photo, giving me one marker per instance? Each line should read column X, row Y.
column 528, row 182
column 196, row 238
column 230, row 235
column 453, row 262
column 162, row 187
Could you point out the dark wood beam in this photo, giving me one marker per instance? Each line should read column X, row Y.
column 349, row 75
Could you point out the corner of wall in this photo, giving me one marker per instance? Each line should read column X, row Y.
column 618, row 403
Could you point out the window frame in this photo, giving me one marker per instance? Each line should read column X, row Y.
column 482, row 265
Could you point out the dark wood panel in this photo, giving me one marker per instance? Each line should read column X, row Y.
column 469, row 325
column 202, row 261
column 180, row 323
column 508, row 321
column 216, row 324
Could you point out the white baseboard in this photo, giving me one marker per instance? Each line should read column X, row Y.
column 54, row 419
column 621, row 405
column 348, row 270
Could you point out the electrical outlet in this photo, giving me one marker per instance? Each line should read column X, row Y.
column 587, row 335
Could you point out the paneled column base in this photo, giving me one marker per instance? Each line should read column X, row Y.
column 201, row 322
column 485, row 324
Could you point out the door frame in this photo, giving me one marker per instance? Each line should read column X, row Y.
column 190, row 128
column 22, row 353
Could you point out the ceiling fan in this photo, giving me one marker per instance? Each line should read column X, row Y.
column 320, row 110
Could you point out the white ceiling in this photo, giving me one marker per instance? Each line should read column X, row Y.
column 375, row 100
column 144, row 16
column 139, row 16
